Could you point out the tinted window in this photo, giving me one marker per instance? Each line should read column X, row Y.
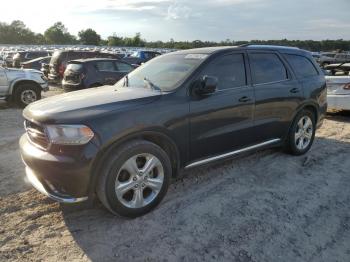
column 302, row 66
column 105, row 66
column 229, row 70
column 123, row 67
column 267, row 68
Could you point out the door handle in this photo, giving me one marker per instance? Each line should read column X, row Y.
column 294, row 90
column 244, row 99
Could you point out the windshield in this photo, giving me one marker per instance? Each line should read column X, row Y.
column 164, row 72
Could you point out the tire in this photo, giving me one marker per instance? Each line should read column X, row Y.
column 25, row 94
column 302, row 133
column 133, row 156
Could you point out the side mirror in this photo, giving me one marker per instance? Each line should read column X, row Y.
column 206, row 86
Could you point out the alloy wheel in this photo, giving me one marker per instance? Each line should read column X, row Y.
column 139, row 180
column 303, row 132
column 28, row 96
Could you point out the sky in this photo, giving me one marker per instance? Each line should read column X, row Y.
column 189, row 20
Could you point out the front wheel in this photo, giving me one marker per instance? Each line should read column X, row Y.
column 135, row 178
column 25, row 94
column 302, row 133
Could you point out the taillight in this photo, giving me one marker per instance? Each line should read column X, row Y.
column 61, row 69
column 347, row 87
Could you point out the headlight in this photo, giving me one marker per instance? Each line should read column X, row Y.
column 69, row 134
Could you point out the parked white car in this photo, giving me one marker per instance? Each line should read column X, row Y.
column 22, row 86
column 338, row 90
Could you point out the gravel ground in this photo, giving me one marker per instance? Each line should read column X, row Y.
column 266, row 206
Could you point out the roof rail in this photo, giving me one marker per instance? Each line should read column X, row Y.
column 269, row 46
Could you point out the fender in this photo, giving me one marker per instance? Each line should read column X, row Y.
column 127, row 136
column 20, row 79
column 304, row 104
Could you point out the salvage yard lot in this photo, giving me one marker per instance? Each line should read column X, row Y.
column 266, row 206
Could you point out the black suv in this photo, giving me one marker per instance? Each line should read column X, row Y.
column 180, row 110
column 94, row 72
column 60, row 58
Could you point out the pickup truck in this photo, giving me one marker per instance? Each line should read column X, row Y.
column 139, row 57
column 21, row 86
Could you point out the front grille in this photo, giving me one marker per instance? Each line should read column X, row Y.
column 36, row 134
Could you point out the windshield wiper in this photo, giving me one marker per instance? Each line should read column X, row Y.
column 151, row 84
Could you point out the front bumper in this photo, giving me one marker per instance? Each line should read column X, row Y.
column 338, row 102
column 50, row 192
column 44, row 86
column 64, row 178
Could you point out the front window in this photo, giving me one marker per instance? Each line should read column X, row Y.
column 164, row 72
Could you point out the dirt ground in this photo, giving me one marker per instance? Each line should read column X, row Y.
column 266, row 206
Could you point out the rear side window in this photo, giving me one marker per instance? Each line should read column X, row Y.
column 302, row 66
column 267, row 68
column 105, row 66
column 229, row 69
column 123, row 67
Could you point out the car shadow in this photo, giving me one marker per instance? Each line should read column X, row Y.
column 257, row 207
column 340, row 116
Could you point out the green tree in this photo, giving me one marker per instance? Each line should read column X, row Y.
column 114, row 40
column 89, row 37
column 58, row 34
column 16, row 33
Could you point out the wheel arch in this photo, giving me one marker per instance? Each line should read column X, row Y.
column 311, row 106
column 18, row 82
column 157, row 137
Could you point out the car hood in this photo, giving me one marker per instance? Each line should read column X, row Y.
column 88, row 103
column 14, row 73
column 19, row 70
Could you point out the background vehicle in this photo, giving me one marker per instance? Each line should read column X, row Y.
column 328, row 59
column 139, row 57
column 177, row 111
column 60, row 59
column 24, row 56
column 9, row 58
column 22, row 86
column 94, row 72
column 338, row 87
column 36, row 63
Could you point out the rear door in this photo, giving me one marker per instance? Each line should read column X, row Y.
column 277, row 94
column 223, row 121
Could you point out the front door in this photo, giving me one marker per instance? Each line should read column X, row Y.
column 223, row 121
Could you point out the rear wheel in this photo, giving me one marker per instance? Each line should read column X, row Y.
column 25, row 94
column 302, row 133
column 135, row 178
